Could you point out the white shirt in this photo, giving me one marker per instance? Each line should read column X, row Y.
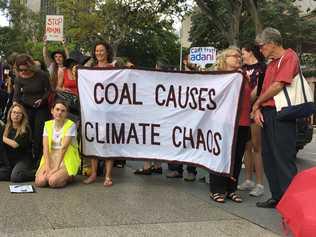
column 56, row 139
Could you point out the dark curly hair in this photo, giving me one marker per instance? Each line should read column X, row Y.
column 108, row 48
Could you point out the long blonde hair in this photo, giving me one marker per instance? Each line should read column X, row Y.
column 24, row 125
column 220, row 64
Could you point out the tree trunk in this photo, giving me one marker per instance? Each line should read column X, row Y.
column 115, row 46
column 230, row 33
column 235, row 22
column 253, row 10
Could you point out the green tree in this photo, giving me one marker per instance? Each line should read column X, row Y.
column 25, row 28
column 282, row 14
column 225, row 17
column 125, row 24
column 9, row 42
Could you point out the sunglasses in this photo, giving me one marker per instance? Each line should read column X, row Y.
column 23, row 69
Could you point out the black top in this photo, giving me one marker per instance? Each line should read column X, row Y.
column 24, row 150
column 28, row 90
column 3, row 155
column 256, row 73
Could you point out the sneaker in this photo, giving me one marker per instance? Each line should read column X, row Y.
column 247, row 185
column 189, row 177
column 173, row 174
column 257, row 191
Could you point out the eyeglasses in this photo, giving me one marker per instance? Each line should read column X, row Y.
column 234, row 55
column 23, row 69
column 17, row 113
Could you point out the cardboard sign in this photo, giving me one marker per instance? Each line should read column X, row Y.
column 54, row 27
column 139, row 114
column 202, row 55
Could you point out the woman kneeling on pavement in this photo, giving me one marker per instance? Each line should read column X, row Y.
column 16, row 151
column 225, row 187
column 61, row 160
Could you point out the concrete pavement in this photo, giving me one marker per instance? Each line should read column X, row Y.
column 137, row 206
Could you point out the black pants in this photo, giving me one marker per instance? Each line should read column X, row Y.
column 15, row 169
column 221, row 184
column 278, row 152
column 37, row 118
column 179, row 168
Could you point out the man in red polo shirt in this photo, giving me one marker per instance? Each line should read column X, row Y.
column 278, row 137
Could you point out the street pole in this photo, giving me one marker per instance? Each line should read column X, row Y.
column 180, row 63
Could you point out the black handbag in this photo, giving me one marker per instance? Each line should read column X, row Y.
column 71, row 99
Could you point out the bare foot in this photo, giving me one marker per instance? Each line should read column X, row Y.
column 91, row 179
column 108, row 182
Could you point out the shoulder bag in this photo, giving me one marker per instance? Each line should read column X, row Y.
column 295, row 101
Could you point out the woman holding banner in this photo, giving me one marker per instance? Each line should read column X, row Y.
column 102, row 58
column 61, row 160
column 225, row 187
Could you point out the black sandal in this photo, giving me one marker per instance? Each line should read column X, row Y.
column 143, row 171
column 234, row 197
column 217, row 197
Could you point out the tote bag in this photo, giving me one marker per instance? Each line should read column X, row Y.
column 295, row 101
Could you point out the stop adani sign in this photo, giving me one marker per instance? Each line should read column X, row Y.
column 202, row 55
column 54, row 27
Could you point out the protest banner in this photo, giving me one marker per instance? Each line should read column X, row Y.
column 202, row 55
column 156, row 115
column 54, row 27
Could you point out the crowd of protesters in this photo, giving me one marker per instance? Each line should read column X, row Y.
column 39, row 140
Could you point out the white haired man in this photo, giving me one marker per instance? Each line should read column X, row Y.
column 278, row 137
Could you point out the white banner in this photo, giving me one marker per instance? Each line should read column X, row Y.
column 169, row 116
column 54, row 27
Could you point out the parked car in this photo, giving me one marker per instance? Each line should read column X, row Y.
column 304, row 132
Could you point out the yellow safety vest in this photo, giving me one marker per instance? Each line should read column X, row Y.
column 71, row 158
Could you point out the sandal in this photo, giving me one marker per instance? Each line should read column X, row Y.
column 234, row 197
column 108, row 182
column 217, row 197
column 143, row 171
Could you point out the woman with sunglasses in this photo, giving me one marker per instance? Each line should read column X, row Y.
column 16, row 140
column 31, row 89
column 225, row 187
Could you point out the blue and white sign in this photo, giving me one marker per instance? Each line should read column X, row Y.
column 202, row 55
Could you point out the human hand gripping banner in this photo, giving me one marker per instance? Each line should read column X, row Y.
column 156, row 115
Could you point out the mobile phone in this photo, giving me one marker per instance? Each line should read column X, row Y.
column 6, row 72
